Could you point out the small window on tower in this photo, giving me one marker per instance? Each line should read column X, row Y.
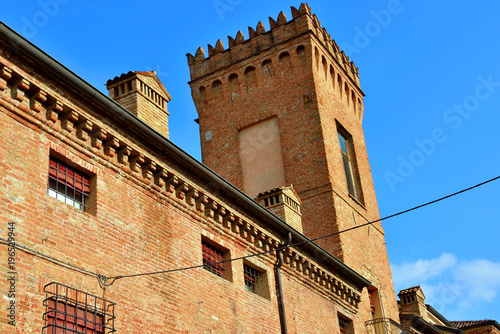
column 267, row 67
column 346, row 150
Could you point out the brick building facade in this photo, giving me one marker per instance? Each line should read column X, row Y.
column 93, row 191
column 102, row 206
column 285, row 107
column 416, row 316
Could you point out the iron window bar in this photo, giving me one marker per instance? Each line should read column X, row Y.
column 253, row 280
column 344, row 326
column 67, row 184
column 211, row 257
column 68, row 310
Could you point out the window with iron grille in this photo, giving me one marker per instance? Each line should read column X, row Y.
column 68, row 184
column 253, row 280
column 211, row 258
column 345, row 326
column 68, row 310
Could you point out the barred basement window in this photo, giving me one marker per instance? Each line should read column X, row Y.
column 68, row 310
column 211, row 257
column 68, row 185
column 253, row 280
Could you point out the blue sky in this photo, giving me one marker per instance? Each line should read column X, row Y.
column 431, row 74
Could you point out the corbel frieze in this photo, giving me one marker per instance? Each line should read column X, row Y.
column 80, row 127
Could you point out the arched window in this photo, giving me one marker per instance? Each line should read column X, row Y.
column 347, row 93
column 216, row 88
column 203, row 95
column 250, row 78
column 234, row 87
column 325, row 66
column 301, row 52
column 285, row 62
column 267, row 68
column 339, row 84
column 332, row 76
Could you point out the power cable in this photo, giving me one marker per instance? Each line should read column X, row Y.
column 114, row 278
column 51, row 259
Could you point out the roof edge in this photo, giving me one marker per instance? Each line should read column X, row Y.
column 479, row 324
column 438, row 315
column 108, row 104
column 419, row 323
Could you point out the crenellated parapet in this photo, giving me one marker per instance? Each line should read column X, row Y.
column 259, row 40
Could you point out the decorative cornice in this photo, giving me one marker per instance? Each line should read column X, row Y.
column 49, row 110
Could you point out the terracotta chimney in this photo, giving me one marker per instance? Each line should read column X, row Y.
column 284, row 203
column 143, row 94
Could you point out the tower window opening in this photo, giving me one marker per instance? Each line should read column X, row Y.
column 234, row 87
column 332, row 76
column 325, row 66
column 285, row 63
column 346, row 149
column 251, row 78
column 339, row 84
column 267, row 67
column 302, row 54
column 217, row 86
column 316, row 57
column 347, row 93
column 353, row 96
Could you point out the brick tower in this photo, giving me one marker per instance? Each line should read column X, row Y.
column 285, row 107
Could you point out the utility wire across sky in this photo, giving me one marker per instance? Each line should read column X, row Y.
column 103, row 280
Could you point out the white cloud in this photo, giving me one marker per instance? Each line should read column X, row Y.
column 481, row 277
column 455, row 288
column 416, row 273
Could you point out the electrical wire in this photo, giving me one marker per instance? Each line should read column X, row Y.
column 51, row 259
column 114, row 278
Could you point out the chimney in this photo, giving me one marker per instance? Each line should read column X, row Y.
column 412, row 301
column 143, row 94
column 284, row 203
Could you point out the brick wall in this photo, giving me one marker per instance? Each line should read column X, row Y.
column 147, row 214
column 487, row 329
column 302, row 78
